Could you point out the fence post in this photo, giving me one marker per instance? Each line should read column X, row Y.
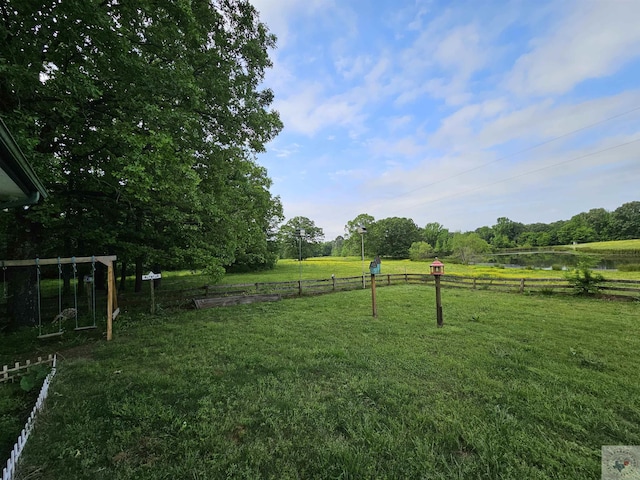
column 438, row 302
column 373, row 295
column 300, row 287
column 388, row 279
column 522, row 285
column 333, row 279
column 153, row 298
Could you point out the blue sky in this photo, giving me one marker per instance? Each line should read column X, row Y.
column 457, row 112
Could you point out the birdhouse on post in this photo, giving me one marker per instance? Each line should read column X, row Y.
column 374, row 267
column 437, row 270
column 437, row 267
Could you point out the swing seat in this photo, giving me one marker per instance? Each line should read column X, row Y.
column 49, row 335
column 89, row 327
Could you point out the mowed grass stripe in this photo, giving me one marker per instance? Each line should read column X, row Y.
column 512, row 387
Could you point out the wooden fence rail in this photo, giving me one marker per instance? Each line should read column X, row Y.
column 316, row 286
column 293, row 288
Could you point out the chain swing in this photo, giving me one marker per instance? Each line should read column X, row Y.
column 4, row 281
column 68, row 313
column 92, row 302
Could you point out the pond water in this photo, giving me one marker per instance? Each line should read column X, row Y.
column 566, row 260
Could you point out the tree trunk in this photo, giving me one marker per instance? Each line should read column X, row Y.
column 22, row 304
column 156, row 269
column 123, row 276
column 138, row 287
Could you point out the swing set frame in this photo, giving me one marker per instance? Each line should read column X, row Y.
column 107, row 260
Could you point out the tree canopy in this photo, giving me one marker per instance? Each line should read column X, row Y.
column 466, row 246
column 143, row 120
column 352, row 244
column 295, row 244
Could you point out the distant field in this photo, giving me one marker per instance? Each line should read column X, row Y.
column 324, row 267
column 613, row 245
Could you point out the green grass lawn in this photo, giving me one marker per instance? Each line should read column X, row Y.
column 513, row 387
column 611, row 245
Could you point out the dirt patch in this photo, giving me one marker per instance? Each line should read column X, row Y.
column 616, row 298
column 81, row 351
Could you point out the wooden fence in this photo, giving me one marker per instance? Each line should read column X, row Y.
column 185, row 297
column 521, row 285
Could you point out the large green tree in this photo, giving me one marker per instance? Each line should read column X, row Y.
column 337, row 246
column 625, row 221
column 421, row 251
column 506, row 233
column 142, row 119
column 352, row 245
column 392, row 237
column 577, row 229
column 599, row 220
column 438, row 237
column 294, row 245
column 468, row 246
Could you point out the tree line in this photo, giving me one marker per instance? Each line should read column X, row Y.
column 402, row 238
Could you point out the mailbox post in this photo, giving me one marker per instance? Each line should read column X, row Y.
column 152, row 276
column 374, row 268
column 437, row 270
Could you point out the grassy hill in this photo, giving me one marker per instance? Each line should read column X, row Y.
column 617, row 246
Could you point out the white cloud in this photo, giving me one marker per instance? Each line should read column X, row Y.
column 594, row 40
column 460, row 50
column 278, row 15
column 494, row 122
column 396, row 123
column 405, row 147
column 356, row 174
column 353, row 67
column 286, row 151
column 310, row 110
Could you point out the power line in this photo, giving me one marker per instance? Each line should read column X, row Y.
column 532, row 171
column 533, row 147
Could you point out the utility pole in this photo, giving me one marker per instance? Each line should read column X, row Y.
column 362, row 230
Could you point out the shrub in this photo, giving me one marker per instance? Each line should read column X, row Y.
column 420, row 251
column 584, row 280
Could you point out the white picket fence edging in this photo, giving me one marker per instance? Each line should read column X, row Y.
column 9, row 471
